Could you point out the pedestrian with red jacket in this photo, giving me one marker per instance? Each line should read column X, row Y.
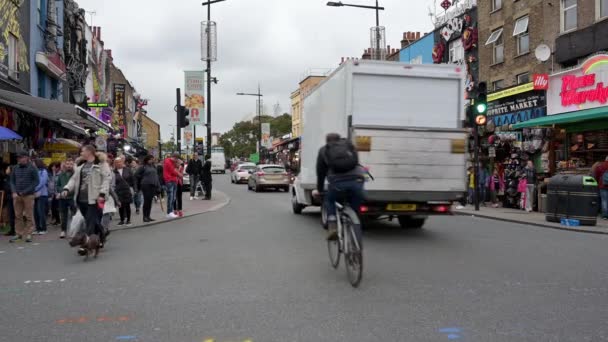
column 170, row 175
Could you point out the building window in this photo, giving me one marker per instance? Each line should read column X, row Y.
column 39, row 12
column 568, row 15
column 12, row 56
column 523, row 78
column 456, row 52
column 498, row 46
column 497, row 85
column 602, row 9
column 496, row 5
column 522, row 35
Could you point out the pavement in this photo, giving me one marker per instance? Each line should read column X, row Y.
column 253, row 271
column 532, row 219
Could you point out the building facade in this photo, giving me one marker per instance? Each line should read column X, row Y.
column 14, row 45
column 306, row 85
column 151, row 134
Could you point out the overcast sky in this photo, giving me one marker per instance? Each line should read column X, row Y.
column 273, row 42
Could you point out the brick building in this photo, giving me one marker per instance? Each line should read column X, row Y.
column 509, row 32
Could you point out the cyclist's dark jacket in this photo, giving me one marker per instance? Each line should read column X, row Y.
column 323, row 170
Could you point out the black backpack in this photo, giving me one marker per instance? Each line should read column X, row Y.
column 341, row 157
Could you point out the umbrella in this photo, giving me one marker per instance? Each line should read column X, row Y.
column 7, row 134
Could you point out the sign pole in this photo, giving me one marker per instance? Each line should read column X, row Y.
column 476, row 167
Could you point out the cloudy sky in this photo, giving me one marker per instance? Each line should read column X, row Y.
column 273, row 42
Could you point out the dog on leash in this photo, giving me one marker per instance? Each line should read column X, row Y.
column 88, row 244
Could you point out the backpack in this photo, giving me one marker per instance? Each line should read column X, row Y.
column 341, row 156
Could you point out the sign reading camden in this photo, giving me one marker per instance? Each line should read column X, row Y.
column 584, row 87
column 518, row 107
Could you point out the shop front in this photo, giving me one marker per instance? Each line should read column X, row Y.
column 577, row 110
column 286, row 152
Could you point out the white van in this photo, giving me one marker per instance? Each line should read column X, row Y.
column 218, row 160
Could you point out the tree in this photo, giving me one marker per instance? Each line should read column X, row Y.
column 242, row 139
column 168, row 146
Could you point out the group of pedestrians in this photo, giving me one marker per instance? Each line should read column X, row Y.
column 94, row 185
column 199, row 172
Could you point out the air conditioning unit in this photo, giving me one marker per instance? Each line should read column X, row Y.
column 14, row 75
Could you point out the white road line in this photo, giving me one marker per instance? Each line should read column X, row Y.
column 62, row 280
column 36, row 244
column 20, row 247
column 36, row 281
column 48, row 281
column 2, row 252
column 27, row 281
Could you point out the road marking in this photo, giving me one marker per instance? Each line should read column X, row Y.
column 452, row 333
column 62, row 280
column 20, row 247
column 36, row 281
column 126, row 337
column 92, row 320
column 2, row 252
column 36, row 243
column 27, row 281
column 47, row 281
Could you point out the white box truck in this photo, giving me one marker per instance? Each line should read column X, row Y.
column 406, row 123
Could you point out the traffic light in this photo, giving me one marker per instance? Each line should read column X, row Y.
column 182, row 116
column 481, row 104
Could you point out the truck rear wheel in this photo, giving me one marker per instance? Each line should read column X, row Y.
column 411, row 222
column 297, row 207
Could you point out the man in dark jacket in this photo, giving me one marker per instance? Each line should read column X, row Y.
column 24, row 180
column 194, row 169
column 206, row 176
column 345, row 181
column 65, row 204
column 125, row 182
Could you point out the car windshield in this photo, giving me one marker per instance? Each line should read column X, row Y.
column 273, row 169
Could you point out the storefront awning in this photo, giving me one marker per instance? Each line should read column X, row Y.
column 566, row 119
column 60, row 112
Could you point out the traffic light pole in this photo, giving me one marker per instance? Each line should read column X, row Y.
column 178, row 121
column 476, row 166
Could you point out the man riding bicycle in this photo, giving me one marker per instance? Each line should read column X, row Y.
column 338, row 161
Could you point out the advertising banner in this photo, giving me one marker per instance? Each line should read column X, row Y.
column 119, row 118
column 194, row 96
column 515, row 105
column 188, row 135
column 266, row 141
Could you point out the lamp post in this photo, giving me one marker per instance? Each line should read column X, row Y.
column 259, row 95
column 208, row 58
column 377, row 8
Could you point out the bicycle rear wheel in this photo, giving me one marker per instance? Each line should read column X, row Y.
column 333, row 247
column 353, row 256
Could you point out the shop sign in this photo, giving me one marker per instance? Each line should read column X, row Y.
column 584, row 87
column 119, row 119
column 517, row 107
column 194, row 97
column 460, row 8
column 520, row 89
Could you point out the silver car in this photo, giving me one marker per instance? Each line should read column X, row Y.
column 269, row 177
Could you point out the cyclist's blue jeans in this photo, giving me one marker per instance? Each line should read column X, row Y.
column 351, row 190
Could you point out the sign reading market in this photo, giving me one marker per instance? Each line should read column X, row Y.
column 584, row 87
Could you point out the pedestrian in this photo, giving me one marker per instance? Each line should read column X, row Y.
column 8, row 200
column 134, row 164
column 530, row 172
column 149, row 183
column 125, row 182
column 170, row 174
column 42, row 198
column 161, row 179
column 24, row 180
column 179, row 190
column 90, row 185
column 194, row 169
column 206, row 177
column 66, row 204
column 111, row 204
column 54, row 170
column 471, row 184
column 601, row 176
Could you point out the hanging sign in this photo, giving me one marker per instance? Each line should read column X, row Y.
column 194, row 98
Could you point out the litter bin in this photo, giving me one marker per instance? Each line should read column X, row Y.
column 572, row 197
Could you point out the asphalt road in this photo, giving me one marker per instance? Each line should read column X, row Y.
column 253, row 271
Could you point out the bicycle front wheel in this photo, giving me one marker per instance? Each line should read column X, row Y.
column 353, row 256
column 333, row 247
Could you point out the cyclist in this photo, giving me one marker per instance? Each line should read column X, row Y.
column 338, row 161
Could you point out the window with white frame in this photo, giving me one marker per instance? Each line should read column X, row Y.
column 456, row 54
column 496, row 5
column 602, row 9
column 497, row 85
column 521, row 33
column 12, row 55
column 498, row 47
column 523, row 78
column 569, row 12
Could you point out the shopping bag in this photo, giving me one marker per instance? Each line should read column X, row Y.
column 76, row 225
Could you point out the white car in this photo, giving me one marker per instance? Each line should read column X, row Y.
column 242, row 173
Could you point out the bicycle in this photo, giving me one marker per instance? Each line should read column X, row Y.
column 349, row 243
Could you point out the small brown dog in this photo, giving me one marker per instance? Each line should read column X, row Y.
column 88, row 244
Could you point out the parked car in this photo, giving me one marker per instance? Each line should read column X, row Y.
column 241, row 173
column 269, row 176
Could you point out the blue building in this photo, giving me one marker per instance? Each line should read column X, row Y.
column 48, row 71
column 420, row 51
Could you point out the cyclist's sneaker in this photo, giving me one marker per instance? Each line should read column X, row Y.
column 332, row 230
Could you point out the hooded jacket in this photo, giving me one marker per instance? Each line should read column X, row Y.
column 99, row 181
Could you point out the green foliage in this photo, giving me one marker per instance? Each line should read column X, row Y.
column 241, row 140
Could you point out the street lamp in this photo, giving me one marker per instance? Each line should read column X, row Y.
column 208, row 58
column 377, row 8
column 259, row 95
column 79, row 95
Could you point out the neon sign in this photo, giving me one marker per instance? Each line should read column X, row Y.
column 571, row 96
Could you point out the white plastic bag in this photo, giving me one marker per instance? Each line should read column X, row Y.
column 76, row 225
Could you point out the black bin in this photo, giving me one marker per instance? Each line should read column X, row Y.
column 572, row 197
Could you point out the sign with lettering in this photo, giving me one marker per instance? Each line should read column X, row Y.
column 194, row 96
column 458, row 9
column 518, row 107
column 119, row 120
column 584, row 87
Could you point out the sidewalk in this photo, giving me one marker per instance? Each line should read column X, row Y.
column 534, row 219
column 191, row 208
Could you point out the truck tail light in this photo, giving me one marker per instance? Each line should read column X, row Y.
column 363, row 209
